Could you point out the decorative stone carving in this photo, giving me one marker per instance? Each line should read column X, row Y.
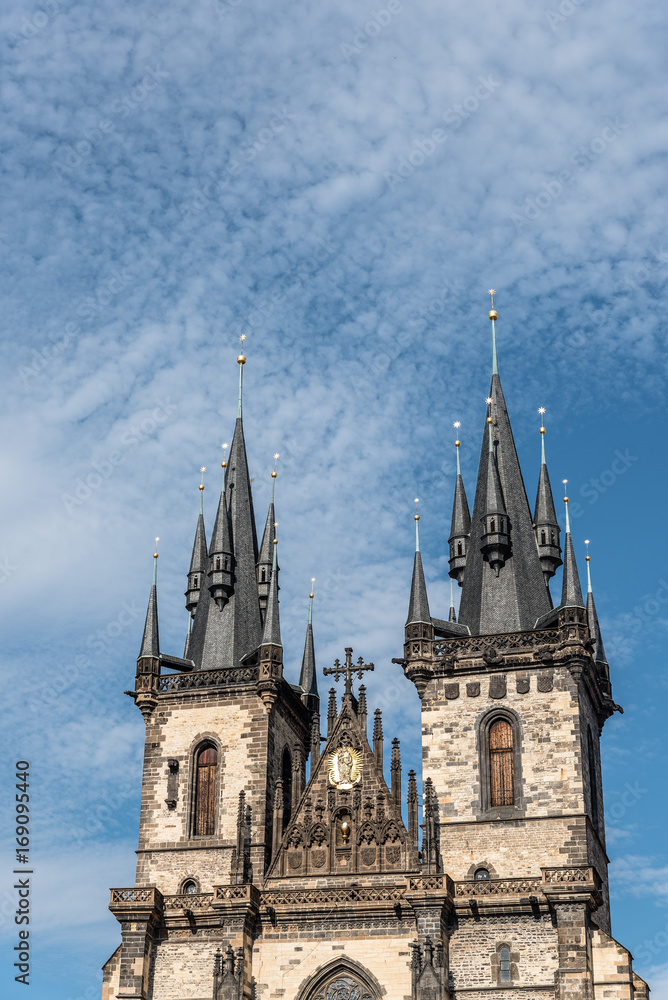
column 497, row 686
column 295, row 859
column 451, row 691
column 473, row 689
column 545, row 680
column 344, row 766
column 523, row 685
column 344, row 987
column 318, row 858
column 393, row 854
column 492, row 656
column 368, row 855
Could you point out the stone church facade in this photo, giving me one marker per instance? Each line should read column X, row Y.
column 255, row 882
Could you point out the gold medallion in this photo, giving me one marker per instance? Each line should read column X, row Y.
column 344, row 767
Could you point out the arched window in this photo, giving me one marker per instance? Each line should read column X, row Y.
column 553, row 541
column 504, row 964
column 593, row 784
column 286, row 775
column 492, row 525
column 217, row 562
column 459, row 549
column 542, row 538
column 189, row 887
column 264, row 576
column 501, row 763
column 206, row 771
column 195, row 584
column 481, row 875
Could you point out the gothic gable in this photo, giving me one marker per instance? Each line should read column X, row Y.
column 347, row 820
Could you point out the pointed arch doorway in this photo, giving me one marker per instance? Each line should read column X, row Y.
column 341, row 979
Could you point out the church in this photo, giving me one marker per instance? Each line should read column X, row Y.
column 274, row 862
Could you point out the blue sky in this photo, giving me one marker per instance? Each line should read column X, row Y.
column 342, row 183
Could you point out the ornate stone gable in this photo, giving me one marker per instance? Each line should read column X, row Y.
column 348, row 820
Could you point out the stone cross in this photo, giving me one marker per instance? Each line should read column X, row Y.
column 348, row 670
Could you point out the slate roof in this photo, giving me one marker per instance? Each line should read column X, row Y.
column 308, row 679
column 418, row 606
column 571, row 594
column 150, row 643
column 220, row 638
column 518, row 596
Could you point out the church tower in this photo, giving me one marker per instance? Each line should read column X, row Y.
column 278, row 861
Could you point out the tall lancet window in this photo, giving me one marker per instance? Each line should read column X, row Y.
column 501, row 763
column 206, row 773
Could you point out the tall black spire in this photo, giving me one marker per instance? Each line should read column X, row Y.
column 228, row 626
column 460, row 529
column 308, row 680
column 199, row 558
column 545, row 519
column 418, row 606
column 517, row 597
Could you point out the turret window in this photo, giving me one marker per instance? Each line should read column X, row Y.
column 542, row 538
column 217, row 562
column 553, row 540
column 492, row 525
column 206, row 774
column 459, row 549
column 227, row 566
column 264, row 576
column 196, row 582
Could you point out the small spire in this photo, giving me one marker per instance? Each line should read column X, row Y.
column 571, row 594
column 541, row 410
column 453, row 614
column 495, row 527
column 199, row 557
column 598, row 651
column 272, row 626
column 546, row 526
column 418, row 606
column 150, row 644
column 308, row 680
column 266, row 557
column 416, row 518
column 460, row 528
column 241, row 361
column 493, row 315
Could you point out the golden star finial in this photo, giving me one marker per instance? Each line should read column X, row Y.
column 492, row 292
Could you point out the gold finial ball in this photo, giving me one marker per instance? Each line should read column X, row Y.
column 276, row 541
column 493, row 314
column 565, row 499
column 274, row 474
column 241, row 360
column 457, row 444
column 223, row 464
column 490, row 420
column 155, row 555
column 311, row 595
column 201, row 487
column 542, row 430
